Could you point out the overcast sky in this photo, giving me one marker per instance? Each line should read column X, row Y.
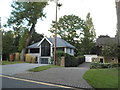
column 103, row 13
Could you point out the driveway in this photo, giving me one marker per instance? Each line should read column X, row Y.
column 70, row 76
column 12, row 69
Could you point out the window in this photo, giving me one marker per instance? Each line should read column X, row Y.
column 34, row 50
column 60, row 49
column 45, row 48
column 70, row 50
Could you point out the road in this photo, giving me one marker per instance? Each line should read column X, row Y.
column 12, row 82
column 12, row 69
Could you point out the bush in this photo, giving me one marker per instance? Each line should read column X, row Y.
column 70, row 61
column 81, row 59
column 103, row 65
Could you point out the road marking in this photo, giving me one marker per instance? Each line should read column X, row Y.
column 34, row 81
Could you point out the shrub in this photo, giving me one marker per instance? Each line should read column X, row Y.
column 103, row 65
column 70, row 61
column 81, row 59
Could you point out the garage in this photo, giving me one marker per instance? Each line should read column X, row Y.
column 44, row 61
column 88, row 58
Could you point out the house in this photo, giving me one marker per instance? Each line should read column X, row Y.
column 100, row 43
column 44, row 49
column 104, row 40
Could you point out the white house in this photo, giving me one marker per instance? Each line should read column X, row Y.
column 43, row 50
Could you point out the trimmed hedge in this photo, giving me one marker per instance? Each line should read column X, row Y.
column 103, row 65
column 70, row 61
column 81, row 59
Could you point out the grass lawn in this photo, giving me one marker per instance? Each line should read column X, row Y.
column 8, row 62
column 102, row 78
column 41, row 68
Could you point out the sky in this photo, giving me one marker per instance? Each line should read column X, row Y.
column 103, row 13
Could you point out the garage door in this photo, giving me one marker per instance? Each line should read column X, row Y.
column 88, row 59
column 43, row 60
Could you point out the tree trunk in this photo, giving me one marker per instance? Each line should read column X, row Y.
column 22, row 55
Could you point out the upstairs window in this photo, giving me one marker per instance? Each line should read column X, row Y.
column 34, row 50
column 45, row 48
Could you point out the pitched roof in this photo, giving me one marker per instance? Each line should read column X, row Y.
column 59, row 43
column 105, row 40
column 35, row 45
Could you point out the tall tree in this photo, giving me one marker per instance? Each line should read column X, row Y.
column 26, row 14
column 88, row 36
column 36, row 37
column 68, row 25
column 8, row 44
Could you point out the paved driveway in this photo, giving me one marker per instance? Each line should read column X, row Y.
column 70, row 76
column 12, row 69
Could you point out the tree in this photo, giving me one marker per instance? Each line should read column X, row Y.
column 8, row 44
column 68, row 25
column 88, row 36
column 110, row 50
column 26, row 14
column 22, row 40
column 36, row 37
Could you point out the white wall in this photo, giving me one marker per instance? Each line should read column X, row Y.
column 68, row 51
column 88, row 58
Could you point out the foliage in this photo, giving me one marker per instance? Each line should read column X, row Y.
column 22, row 40
column 110, row 50
column 78, row 32
column 8, row 44
column 36, row 37
column 26, row 14
column 41, row 68
column 88, row 39
column 102, row 78
column 98, row 65
column 70, row 61
column 67, row 26
column 81, row 59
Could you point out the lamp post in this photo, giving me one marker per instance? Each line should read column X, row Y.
column 55, row 36
column 56, row 26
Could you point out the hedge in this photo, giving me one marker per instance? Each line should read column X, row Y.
column 70, row 61
column 103, row 65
